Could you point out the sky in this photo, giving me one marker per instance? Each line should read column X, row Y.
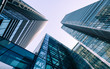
column 54, row 11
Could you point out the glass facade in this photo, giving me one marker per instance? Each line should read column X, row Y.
column 17, row 29
column 3, row 26
column 14, row 55
column 54, row 55
column 51, row 55
column 95, row 44
column 41, row 60
column 81, row 63
column 16, row 25
column 94, row 61
column 93, row 18
column 91, row 28
column 98, row 46
column 4, row 21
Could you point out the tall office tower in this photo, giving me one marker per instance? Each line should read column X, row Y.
column 51, row 55
column 19, row 22
column 91, row 27
column 54, row 55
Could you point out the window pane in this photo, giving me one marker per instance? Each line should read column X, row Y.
column 6, row 44
column 23, row 52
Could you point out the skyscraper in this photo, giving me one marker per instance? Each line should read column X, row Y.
column 19, row 22
column 51, row 54
column 54, row 55
column 91, row 27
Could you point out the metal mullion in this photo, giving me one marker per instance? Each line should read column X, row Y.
column 13, row 29
column 54, row 57
column 10, row 28
column 60, row 63
column 50, row 57
column 9, row 49
column 10, row 23
column 6, row 50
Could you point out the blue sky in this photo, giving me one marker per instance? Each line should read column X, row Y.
column 54, row 11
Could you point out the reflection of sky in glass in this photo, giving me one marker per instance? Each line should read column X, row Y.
column 54, row 11
column 5, row 66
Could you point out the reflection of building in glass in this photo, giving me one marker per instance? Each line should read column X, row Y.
column 19, row 22
column 90, row 26
column 104, row 14
column 86, row 53
column 52, row 55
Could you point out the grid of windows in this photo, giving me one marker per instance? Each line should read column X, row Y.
column 18, row 24
column 41, row 60
column 81, row 63
column 92, row 25
column 98, row 46
column 96, row 15
column 92, row 59
column 53, row 55
column 14, row 55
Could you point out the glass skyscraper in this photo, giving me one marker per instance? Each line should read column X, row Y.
column 19, row 22
column 91, row 27
column 51, row 55
column 54, row 55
